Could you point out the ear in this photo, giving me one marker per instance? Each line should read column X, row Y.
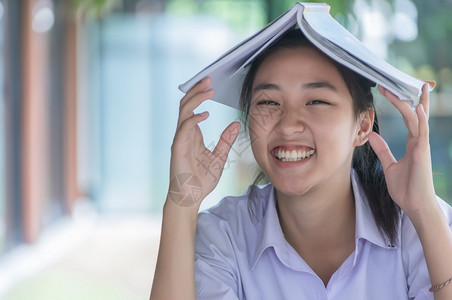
column 364, row 124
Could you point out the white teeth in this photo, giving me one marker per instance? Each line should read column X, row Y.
column 303, row 155
column 293, row 155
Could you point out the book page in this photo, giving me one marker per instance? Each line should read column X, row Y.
column 324, row 25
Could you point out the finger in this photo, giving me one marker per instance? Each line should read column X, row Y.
column 227, row 139
column 382, row 150
column 191, row 122
column 423, row 124
column 409, row 117
column 424, row 100
column 197, row 88
column 186, row 109
column 185, row 134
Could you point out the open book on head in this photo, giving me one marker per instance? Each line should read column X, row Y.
column 319, row 27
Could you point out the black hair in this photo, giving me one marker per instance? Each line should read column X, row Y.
column 365, row 162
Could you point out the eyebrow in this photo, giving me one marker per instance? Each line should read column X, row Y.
column 319, row 85
column 309, row 86
column 266, row 86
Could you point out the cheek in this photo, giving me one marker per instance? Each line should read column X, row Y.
column 263, row 118
column 257, row 142
column 258, row 133
column 335, row 135
column 259, row 127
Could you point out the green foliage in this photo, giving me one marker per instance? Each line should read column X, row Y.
column 184, row 7
column 441, row 182
column 91, row 8
column 340, row 9
column 276, row 8
column 241, row 16
column 432, row 47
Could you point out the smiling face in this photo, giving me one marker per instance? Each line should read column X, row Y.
column 302, row 122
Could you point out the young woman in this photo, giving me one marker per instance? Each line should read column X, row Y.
column 339, row 219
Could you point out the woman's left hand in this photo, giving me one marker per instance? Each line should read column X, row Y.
column 409, row 180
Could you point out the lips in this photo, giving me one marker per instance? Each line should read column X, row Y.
column 293, row 153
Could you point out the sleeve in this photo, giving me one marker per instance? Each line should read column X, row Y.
column 413, row 259
column 215, row 265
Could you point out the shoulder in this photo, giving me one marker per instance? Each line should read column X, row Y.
column 232, row 221
column 237, row 208
column 225, row 239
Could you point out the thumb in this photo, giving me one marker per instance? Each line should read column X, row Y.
column 381, row 149
column 227, row 139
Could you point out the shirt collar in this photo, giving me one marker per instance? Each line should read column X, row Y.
column 271, row 235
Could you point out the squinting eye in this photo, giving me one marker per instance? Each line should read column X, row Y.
column 313, row 102
column 268, row 102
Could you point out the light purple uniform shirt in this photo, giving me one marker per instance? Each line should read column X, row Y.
column 237, row 257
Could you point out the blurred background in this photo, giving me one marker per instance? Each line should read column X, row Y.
column 88, row 107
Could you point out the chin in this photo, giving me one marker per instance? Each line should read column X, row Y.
column 293, row 189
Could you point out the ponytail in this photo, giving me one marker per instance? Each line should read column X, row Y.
column 366, row 163
column 371, row 177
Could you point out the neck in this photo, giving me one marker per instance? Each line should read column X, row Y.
column 322, row 219
column 320, row 225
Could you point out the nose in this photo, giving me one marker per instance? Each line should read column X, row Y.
column 291, row 123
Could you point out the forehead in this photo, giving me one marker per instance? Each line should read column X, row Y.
column 297, row 62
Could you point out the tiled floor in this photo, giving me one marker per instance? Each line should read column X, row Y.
column 108, row 257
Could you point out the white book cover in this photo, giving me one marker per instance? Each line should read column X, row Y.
column 316, row 23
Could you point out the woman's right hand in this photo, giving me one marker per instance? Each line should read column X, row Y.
column 194, row 173
column 195, row 170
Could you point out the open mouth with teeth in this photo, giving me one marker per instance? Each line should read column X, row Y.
column 289, row 155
